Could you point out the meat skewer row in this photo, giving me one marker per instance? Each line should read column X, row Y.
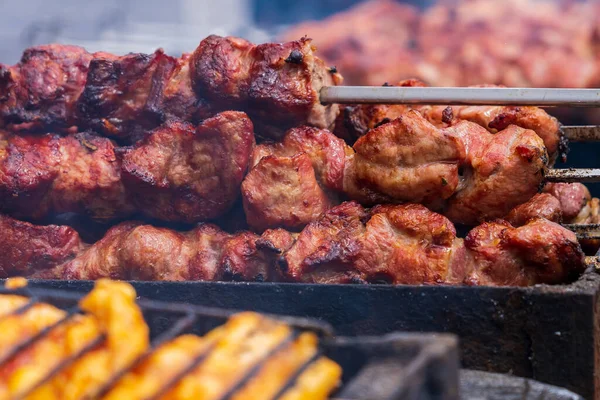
column 179, row 172
column 356, row 120
column 188, row 174
column 400, row 244
column 65, row 87
column 463, row 171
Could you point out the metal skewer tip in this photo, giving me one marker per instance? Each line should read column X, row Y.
column 573, row 175
column 461, row 96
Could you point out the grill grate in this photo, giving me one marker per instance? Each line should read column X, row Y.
column 182, row 318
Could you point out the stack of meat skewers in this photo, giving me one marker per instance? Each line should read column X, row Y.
column 179, row 140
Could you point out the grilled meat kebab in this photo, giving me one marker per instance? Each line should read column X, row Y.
column 463, row 171
column 65, row 88
column 356, row 120
column 178, row 172
column 400, row 244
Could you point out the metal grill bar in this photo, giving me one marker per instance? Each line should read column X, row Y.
column 573, row 175
column 40, row 335
column 178, row 377
column 62, row 365
column 21, row 310
column 542, row 97
column 182, row 325
column 258, row 366
column 291, row 382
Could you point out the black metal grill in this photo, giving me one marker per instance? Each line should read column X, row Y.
column 397, row 366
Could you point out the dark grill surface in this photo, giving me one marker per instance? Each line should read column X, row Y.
column 395, row 366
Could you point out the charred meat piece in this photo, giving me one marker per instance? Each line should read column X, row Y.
column 179, row 172
column 185, row 173
column 573, row 198
column 43, row 89
column 292, row 182
column 326, row 250
column 498, row 175
column 401, row 244
column 542, row 205
column 538, row 252
column 277, row 84
column 355, row 121
column 44, row 174
column 26, row 247
column 409, row 244
column 408, row 159
column 283, row 191
column 66, row 88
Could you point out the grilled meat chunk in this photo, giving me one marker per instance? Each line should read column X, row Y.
column 26, row 247
column 46, row 174
column 43, row 89
column 356, row 120
column 537, row 252
column 277, row 84
column 542, row 205
column 292, row 182
column 326, row 250
column 400, row 244
column 410, row 244
column 66, row 88
column 186, row 173
column 573, row 198
column 179, row 172
column 283, row 191
column 505, row 172
column 408, row 159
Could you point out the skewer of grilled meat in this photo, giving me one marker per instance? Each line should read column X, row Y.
column 400, row 244
column 67, row 88
column 356, row 120
column 178, row 172
column 463, row 171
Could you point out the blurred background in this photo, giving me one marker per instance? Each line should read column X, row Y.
column 542, row 43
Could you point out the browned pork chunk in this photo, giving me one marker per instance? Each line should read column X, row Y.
column 538, row 252
column 277, row 84
column 27, row 248
column 66, row 88
column 179, row 172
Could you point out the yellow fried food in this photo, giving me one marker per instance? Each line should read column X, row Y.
column 11, row 302
column 113, row 305
column 33, row 364
column 163, row 365
column 15, row 329
column 245, row 340
column 316, row 382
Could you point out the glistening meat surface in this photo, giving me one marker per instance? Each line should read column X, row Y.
column 179, row 172
column 463, row 171
column 400, row 244
column 65, row 88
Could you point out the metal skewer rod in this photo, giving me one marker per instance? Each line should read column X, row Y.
column 457, row 96
column 573, row 175
column 583, row 133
